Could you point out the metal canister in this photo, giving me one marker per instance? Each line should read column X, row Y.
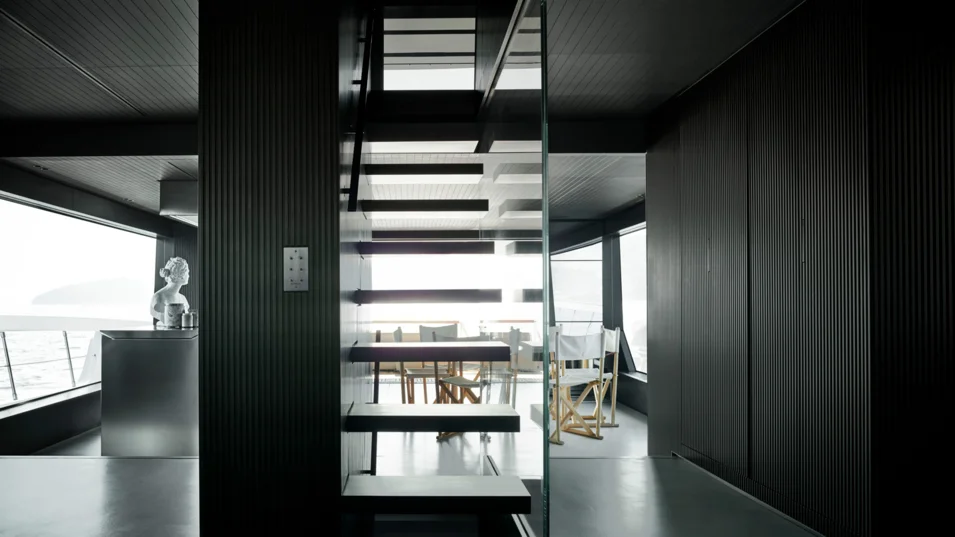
column 173, row 315
column 188, row 320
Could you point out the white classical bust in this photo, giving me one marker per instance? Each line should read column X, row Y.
column 176, row 273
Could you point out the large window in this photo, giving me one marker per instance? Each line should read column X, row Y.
column 577, row 278
column 513, row 274
column 633, row 271
column 61, row 279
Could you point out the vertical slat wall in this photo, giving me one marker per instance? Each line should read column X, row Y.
column 911, row 101
column 775, row 292
column 833, row 371
column 695, row 317
column 727, row 366
column 715, row 324
column 664, row 295
column 775, row 123
column 270, row 415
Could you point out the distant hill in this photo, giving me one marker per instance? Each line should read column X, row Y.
column 114, row 291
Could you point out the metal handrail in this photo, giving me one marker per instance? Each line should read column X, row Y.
column 8, row 365
column 6, row 357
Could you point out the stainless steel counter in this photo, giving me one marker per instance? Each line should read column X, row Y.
column 150, row 393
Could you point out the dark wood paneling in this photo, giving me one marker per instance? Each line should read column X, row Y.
column 270, row 388
column 664, row 293
column 775, row 118
column 715, row 294
column 911, row 73
column 775, row 343
column 832, row 376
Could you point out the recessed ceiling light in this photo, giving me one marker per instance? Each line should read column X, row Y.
column 449, row 179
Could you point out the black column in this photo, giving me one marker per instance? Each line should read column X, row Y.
column 269, row 373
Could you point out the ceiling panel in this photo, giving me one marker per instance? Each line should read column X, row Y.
column 610, row 58
column 131, row 180
column 36, row 83
column 145, row 51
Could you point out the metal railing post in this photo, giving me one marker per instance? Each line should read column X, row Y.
column 69, row 358
column 6, row 358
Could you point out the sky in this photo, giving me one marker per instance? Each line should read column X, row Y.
column 41, row 251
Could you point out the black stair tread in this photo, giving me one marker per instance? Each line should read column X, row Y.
column 433, row 418
column 449, row 351
column 436, row 494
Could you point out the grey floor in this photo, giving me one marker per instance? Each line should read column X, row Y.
column 598, row 488
column 98, row 497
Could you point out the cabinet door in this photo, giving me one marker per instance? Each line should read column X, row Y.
column 694, row 227
column 728, row 350
column 776, row 334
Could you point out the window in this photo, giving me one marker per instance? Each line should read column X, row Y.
column 510, row 273
column 61, row 279
column 633, row 270
column 429, row 54
column 577, row 278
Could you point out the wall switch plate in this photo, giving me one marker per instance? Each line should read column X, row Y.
column 295, row 272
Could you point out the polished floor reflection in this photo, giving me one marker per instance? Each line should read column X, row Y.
column 598, row 488
column 654, row 497
column 99, row 497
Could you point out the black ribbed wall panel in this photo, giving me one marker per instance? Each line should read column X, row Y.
column 664, row 297
column 911, row 103
column 714, row 295
column 774, row 240
column 832, row 376
column 775, row 115
column 270, row 392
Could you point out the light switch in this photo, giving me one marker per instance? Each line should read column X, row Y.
column 295, row 263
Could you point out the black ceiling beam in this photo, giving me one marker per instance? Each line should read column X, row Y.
column 446, row 205
column 456, row 235
column 563, row 136
column 67, row 139
column 424, row 169
column 24, row 187
column 426, row 248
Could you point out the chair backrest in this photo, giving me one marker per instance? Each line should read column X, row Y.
column 439, row 337
column 514, row 340
column 588, row 347
column 428, row 333
column 398, row 335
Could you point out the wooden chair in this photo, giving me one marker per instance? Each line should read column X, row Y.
column 510, row 388
column 583, row 349
column 410, row 374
